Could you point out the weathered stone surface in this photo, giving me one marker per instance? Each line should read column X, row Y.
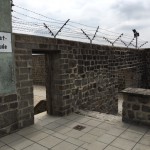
column 131, row 114
column 3, row 107
column 135, row 107
column 78, row 75
column 139, row 110
column 10, row 98
column 146, row 108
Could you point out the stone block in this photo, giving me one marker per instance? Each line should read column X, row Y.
column 10, row 98
column 146, row 108
column 3, row 107
column 26, row 83
column 143, row 100
column 131, row 114
column 136, row 107
column 13, row 105
column 1, row 99
column 8, row 118
column 78, row 82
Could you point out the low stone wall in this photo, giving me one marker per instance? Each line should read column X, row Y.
column 136, row 105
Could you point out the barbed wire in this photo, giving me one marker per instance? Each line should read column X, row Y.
column 69, row 29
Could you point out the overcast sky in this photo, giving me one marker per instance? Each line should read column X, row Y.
column 116, row 15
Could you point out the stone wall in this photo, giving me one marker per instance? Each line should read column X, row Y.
column 136, row 106
column 8, row 113
column 78, row 76
column 38, row 69
column 24, row 86
column 91, row 74
column 88, row 77
column 148, row 68
column 16, row 109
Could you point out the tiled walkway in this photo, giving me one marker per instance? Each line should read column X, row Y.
column 55, row 133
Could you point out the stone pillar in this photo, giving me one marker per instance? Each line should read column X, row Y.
column 8, row 96
column 7, row 80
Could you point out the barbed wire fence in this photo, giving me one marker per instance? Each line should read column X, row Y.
column 30, row 22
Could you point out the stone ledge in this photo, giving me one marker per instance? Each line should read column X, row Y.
column 137, row 91
column 136, row 105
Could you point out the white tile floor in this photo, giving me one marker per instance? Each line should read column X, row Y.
column 55, row 133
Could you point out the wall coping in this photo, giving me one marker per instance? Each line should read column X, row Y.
column 136, row 91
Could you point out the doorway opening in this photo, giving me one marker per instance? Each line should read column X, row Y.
column 39, row 82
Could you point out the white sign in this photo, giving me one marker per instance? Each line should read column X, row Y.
column 5, row 42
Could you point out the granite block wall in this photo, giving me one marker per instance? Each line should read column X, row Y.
column 8, row 114
column 147, row 56
column 78, row 76
column 90, row 74
column 38, row 69
column 16, row 109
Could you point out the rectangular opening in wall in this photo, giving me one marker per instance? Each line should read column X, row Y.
column 39, row 81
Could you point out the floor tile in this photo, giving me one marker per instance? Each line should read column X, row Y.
column 97, row 132
column 121, row 125
column 48, row 131
column 72, row 116
column 37, row 126
column 45, row 122
column 89, row 138
column 65, row 146
column 6, row 148
column 123, row 144
column 148, row 133
column 106, row 138
column 132, row 136
column 80, row 148
column 74, row 133
column 62, row 121
column 92, row 123
column 97, row 146
column 105, row 126
column 10, row 138
column 112, row 148
column 115, row 131
column 75, row 141
column 1, row 144
column 52, row 125
column 87, row 128
column 85, row 145
column 35, row 147
column 60, row 136
column 50, row 141
column 141, row 147
column 82, row 119
column 27, row 131
column 20, row 144
column 138, row 129
column 72, row 124
column 37, row 136
column 145, row 140
column 62, row 129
